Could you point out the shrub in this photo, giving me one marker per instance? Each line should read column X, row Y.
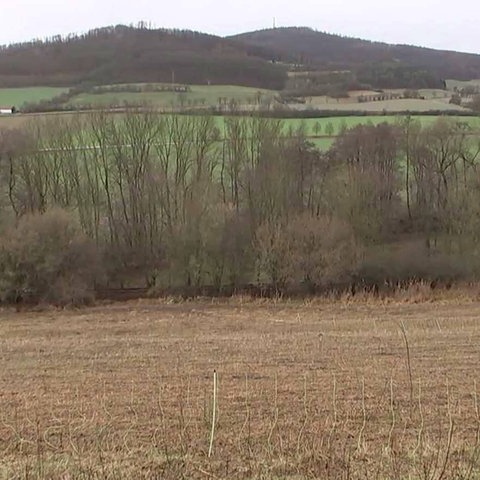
column 456, row 99
column 309, row 251
column 322, row 251
column 475, row 103
column 403, row 263
column 46, row 258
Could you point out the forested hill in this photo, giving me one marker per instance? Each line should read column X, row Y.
column 125, row 54
column 373, row 62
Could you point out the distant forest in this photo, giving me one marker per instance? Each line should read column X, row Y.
column 126, row 54
column 378, row 64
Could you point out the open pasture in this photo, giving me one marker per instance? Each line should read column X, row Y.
column 19, row 96
column 364, row 389
column 390, row 106
column 197, row 95
column 451, row 84
column 318, row 126
column 320, row 131
column 314, row 126
column 213, row 96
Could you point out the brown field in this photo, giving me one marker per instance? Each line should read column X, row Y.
column 305, row 390
column 391, row 106
column 19, row 120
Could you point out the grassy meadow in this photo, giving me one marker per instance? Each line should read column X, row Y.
column 323, row 127
column 320, row 131
column 314, row 125
column 198, row 95
column 400, row 105
column 324, row 389
column 212, row 96
column 19, row 96
column 451, row 84
column 201, row 96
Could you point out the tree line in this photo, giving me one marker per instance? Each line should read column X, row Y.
column 176, row 202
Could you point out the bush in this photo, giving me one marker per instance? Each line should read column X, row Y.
column 406, row 262
column 456, row 99
column 309, row 251
column 475, row 103
column 46, row 258
column 322, row 252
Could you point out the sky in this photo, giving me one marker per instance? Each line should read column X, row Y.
column 428, row 23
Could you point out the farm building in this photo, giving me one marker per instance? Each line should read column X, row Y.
column 7, row 110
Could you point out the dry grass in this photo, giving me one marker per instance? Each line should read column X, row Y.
column 305, row 390
column 21, row 119
column 391, row 106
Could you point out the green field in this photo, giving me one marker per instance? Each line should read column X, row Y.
column 201, row 96
column 20, row 96
column 317, row 129
column 351, row 121
column 198, row 95
column 204, row 96
column 400, row 105
column 214, row 95
column 451, row 84
column 323, row 144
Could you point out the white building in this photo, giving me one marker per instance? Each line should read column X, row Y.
column 6, row 110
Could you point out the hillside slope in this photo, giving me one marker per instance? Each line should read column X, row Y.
column 121, row 54
column 380, row 64
column 125, row 54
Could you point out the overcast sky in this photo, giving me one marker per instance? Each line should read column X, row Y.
column 431, row 23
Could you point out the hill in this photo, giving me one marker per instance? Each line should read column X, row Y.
column 317, row 63
column 126, row 54
column 379, row 64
